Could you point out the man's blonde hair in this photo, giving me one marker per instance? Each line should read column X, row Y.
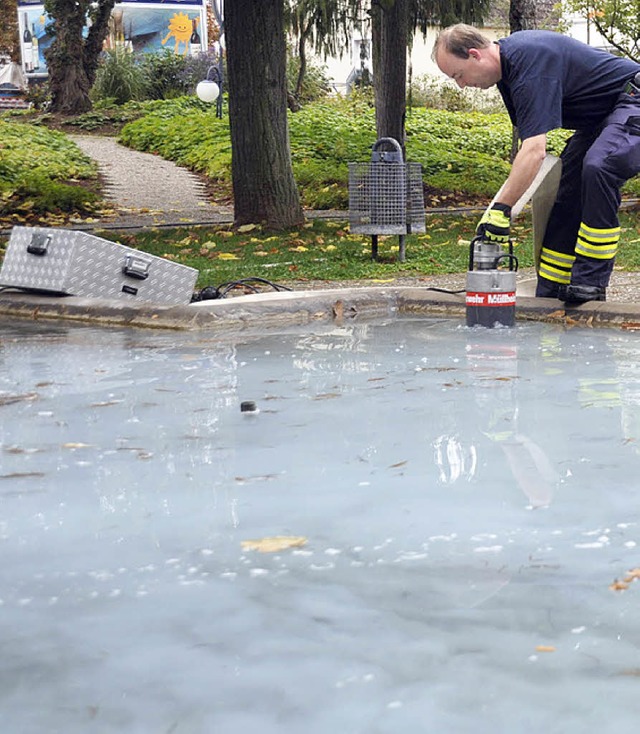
column 458, row 39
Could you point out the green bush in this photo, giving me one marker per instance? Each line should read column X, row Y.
column 315, row 85
column 35, row 193
column 123, row 77
column 458, row 152
column 119, row 77
column 43, row 171
column 443, row 94
column 163, row 75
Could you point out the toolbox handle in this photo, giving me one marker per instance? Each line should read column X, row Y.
column 39, row 244
column 136, row 267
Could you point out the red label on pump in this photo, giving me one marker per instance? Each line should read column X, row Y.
column 491, row 299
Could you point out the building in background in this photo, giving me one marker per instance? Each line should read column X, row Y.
column 179, row 26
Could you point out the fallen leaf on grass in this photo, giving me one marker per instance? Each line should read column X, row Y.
column 274, row 543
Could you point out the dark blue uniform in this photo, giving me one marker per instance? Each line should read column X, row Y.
column 551, row 81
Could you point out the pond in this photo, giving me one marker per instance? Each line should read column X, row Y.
column 421, row 527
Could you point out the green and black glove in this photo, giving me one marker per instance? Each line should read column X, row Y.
column 495, row 225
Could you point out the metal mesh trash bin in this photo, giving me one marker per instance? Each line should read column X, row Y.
column 386, row 196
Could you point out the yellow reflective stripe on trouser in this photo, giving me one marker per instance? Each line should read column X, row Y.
column 601, row 244
column 594, row 393
column 555, row 266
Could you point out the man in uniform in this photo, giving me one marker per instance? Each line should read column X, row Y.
column 549, row 81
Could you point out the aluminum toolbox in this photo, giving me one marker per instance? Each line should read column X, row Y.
column 75, row 263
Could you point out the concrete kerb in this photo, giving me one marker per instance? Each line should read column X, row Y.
column 259, row 312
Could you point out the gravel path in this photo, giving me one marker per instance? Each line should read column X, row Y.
column 147, row 189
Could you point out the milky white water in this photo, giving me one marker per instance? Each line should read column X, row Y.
column 459, row 501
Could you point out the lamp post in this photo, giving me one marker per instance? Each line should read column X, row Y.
column 210, row 89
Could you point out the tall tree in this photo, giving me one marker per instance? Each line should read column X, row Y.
column 324, row 25
column 264, row 188
column 617, row 21
column 522, row 15
column 9, row 41
column 72, row 59
column 394, row 22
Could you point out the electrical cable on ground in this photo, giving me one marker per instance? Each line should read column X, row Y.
column 445, row 290
column 212, row 292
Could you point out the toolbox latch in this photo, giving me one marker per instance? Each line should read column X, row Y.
column 39, row 244
column 136, row 267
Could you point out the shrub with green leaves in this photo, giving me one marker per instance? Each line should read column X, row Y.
column 41, row 171
column 316, row 83
column 458, row 152
column 119, row 77
column 163, row 75
column 442, row 94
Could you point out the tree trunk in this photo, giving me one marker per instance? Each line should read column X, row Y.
column 389, row 31
column 264, row 188
column 72, row 60
column 522, row 17
column 9, row 36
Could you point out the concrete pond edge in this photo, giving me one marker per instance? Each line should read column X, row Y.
column 263, row 311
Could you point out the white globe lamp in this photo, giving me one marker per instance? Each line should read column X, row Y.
column 207, row 90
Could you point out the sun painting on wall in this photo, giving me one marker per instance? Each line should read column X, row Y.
column 180, row 30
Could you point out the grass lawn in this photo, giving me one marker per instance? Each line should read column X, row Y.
column 325, row 250
column 321, row 250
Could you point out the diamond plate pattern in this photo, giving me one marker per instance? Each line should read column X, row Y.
column 81, row 264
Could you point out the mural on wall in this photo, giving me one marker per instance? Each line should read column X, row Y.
column 140, row 27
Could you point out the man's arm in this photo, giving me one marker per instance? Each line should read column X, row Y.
column 495, row 225
column 524, row 169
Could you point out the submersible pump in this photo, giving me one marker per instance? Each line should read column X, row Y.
column 491, row 289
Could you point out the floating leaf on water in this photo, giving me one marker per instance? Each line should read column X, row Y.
column 274, row 543
column 545, row 648
column 9, row 399
column 75, row 445
column 618, row 586
column 18, row 450
column 399, row 464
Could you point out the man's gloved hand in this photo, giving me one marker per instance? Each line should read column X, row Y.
column 495, row 224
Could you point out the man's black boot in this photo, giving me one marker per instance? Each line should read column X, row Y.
column 574, row 295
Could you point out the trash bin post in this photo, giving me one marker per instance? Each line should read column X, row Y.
column 386, row 196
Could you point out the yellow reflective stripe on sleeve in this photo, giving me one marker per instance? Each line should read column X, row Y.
column 600, row 244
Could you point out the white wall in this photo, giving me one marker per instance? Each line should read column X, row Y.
column 339, row 69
